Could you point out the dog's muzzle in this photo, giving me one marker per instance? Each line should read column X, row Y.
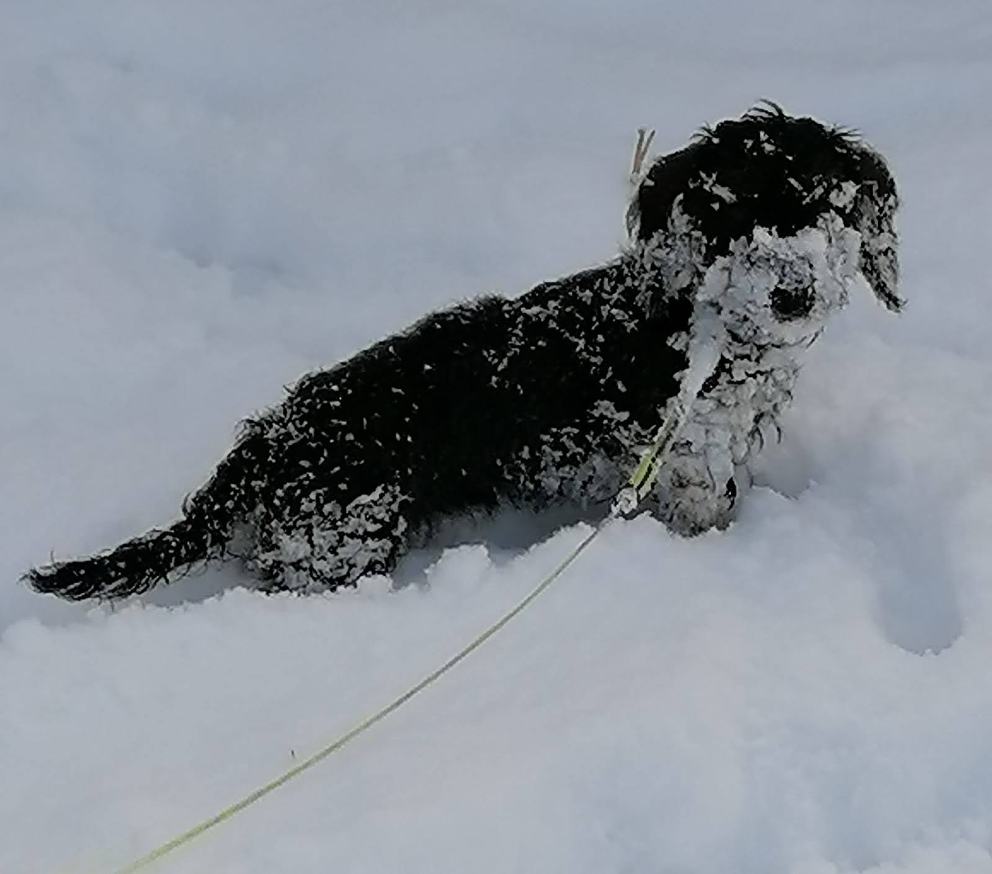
column 772, row 289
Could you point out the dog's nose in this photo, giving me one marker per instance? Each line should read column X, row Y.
column 789, row 304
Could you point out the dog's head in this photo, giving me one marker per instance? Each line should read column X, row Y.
column 791, row 210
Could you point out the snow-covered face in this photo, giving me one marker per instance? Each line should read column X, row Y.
column 789, row 211
column 773, row 289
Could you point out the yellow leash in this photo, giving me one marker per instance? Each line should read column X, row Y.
column 309, row 762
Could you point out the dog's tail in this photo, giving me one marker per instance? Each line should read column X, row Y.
column 209, row 518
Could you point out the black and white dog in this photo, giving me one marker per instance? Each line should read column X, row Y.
column 760, row 226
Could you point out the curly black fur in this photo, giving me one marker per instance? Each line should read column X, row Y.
column 531, row 401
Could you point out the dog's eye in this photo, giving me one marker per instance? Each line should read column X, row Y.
column 791, row 303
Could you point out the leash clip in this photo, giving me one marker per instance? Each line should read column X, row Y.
column 625, row 502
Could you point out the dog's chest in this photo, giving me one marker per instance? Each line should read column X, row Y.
column 730, row 418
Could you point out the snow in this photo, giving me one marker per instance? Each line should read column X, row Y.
column 198, row 202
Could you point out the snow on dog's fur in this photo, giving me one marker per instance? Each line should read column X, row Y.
column 762, row 224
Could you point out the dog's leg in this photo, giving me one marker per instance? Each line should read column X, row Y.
column 323, row 545
column 696, row 489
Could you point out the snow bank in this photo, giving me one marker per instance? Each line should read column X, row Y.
column 198, row 202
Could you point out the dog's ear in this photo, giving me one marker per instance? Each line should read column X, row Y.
column 665, row 180
column 873, row 213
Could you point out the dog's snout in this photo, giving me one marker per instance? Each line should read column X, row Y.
column 789, row 304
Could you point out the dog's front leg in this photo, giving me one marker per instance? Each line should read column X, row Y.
column 696, row 489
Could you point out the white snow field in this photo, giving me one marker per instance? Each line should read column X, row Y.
column 201, row 200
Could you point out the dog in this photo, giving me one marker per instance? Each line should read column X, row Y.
column 760, row 225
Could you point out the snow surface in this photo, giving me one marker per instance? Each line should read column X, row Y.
column 199, row 201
